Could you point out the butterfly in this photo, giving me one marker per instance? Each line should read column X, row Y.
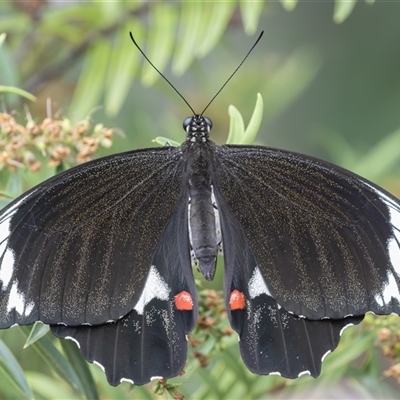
column 102, row 253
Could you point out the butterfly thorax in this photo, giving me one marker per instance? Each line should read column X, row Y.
column 201, row 210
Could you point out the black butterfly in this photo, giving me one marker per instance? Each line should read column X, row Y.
column 102, row 253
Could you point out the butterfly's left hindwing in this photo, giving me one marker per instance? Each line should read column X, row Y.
column 78, row 247
column 326, row 242
column 150, row 341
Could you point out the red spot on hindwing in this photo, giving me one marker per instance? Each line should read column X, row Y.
column 184, row 301
column 237, row 300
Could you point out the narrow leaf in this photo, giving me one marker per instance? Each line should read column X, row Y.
column 18, row 91
column 189, row 32
column 237, row 132
column 81, row 368
column 236, row 126
column 289, row 5
column 14, row 372
column 2, row 38
column 47, row 387
column 381, row 158
column 161, row 39
column 255, row 122
column 163, row 141
column 343, row 9
column 123, row 64
column 38, row 330
column 91, row 82
column 215, row 19
column 251, row 13
column 57, row 361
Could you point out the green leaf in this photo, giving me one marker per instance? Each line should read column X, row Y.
column 9, row 73
column 163, row 141
column 251, row 13
column 18, row 91
column 124, row 61
column 2, row 38
column 189, row 32
column 337, row 146
column 236, row 126
column 237, row 132
column 215, row 19
column 289, row 80
column 289, row 5
column 343, row 9
column 381, row 158
column 160, row 41
column 13, row 371
column 37, row 331
column 81, row 367
column 47, row 387
column 57, row 361
column 344, row 355
column 14, row 185
column 255, row 121
column 91, row 81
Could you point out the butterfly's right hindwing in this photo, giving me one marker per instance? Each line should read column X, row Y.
column 272, row 340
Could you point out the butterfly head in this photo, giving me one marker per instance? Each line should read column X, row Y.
column 197, row 128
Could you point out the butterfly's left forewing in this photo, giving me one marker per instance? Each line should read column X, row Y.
column 78, row 247
column 150, row 341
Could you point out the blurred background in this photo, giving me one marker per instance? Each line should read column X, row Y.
column 329, row 75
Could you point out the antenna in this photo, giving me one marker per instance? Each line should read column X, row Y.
column 234, row 72
column 176, row 90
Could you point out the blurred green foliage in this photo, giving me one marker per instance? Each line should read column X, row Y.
column 328, row 76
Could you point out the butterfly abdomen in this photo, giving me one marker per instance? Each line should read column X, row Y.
column 202, row 225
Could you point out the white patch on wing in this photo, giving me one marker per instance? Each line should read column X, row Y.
column 16, row 300
column 394, row 211
column 126, row 380
column 324, row 356
column 307, row 372
column 7, row 266
column 394, row 253
column 74, row 340
column 388, row 291
column 28, row 309
column 154, row 288
column 275, row 373
column 155, row 378
column 257, row 285
column 99, row 365
column 391, row 289
column 7, row 256
column 343, row 329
